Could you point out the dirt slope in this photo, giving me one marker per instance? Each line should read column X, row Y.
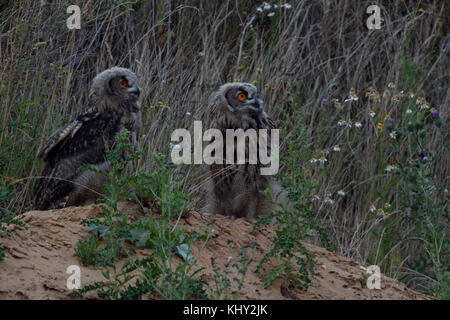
column 37, row 258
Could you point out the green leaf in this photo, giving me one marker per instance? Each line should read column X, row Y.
column 184, row 251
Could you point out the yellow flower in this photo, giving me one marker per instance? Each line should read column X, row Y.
column 273, row 88
column 255, row 81
column 421, row 10
column 51, row 65
column 258, row 69
column 65, row 71
column 240, row 68
column 237, row 80
column 379, row 126
column 266, row 85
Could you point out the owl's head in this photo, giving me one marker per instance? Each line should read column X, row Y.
column 239, row 97
column 116, row 84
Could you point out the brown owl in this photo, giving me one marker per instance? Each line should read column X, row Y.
column 114, row 99
column 236, row 189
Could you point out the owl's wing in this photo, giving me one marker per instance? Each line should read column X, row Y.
column 81, row 142
column 62, row 135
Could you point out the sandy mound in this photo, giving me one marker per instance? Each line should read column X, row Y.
column 37, row 259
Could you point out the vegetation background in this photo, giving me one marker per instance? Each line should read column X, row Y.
column 305, row 57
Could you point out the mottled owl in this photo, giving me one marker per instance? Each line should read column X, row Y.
column 114, row 106
column 237, row 189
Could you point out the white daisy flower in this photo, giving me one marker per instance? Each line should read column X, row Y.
column 328, row 200
column 313, row 160
column 341, row 193
column 271, row 14
column 372, row 113
column 393, row 135
column 372, row 208
column 358, row 124
column 188, row 113
column 409, row 111
column 391, row 167
column 336, row 148
column 322, row 160
column 341, row 123
column 259, row 9
column 267, row 6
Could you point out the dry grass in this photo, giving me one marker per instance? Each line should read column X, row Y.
column 183, row 50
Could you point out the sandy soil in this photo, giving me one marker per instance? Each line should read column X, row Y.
column 37, row 258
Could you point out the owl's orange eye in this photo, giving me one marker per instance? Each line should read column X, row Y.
column 123, row 83
column 242, row 96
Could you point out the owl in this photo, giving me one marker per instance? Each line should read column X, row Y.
column 114, row 106
column 236, row 189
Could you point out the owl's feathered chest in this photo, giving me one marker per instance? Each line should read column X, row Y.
column 245, row 121
column 248, row 173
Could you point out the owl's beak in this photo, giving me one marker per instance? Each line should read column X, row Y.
column 259, row 102
column 135, row 89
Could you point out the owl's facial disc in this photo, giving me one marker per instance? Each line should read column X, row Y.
column 248, row 99
column 243, row 98
column 125, row 88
